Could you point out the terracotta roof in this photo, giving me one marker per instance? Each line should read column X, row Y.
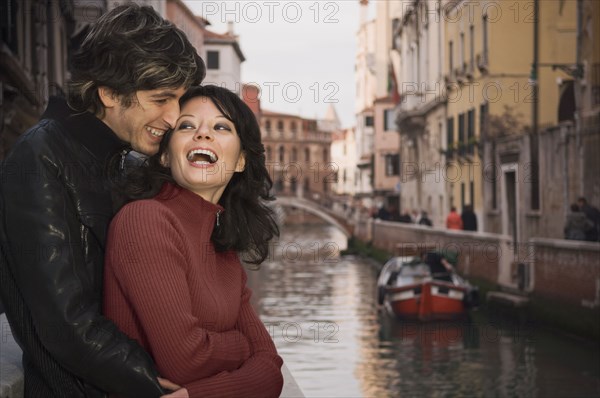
column 214, row 35
column 211, row 37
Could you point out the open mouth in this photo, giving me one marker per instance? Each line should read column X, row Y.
column 202, row 156
column 155, row 132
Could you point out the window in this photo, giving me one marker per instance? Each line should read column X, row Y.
column 280, row 125
column 451, row 57
column 281, row 154
column 395, row 28
column 462, row 52
column 212, row 60
column 293, row 127
column 485, row 40
column 279, row 185
column 471, row 132
column 268, row 125
column 450, row 137
column 306, row 154
column 388, row 120
column 294, row 154
column 483, row 109
column 8, row 24
column 269, row 154
column 293, row 185
column 471, row 49
column 461, row 135
column 369, row 121
column 472, row 194
column 325, row 154
column 392, row 165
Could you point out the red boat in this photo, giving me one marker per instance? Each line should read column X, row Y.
column 418, row 288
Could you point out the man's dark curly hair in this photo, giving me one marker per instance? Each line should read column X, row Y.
column 128, row 49
column 247, row 224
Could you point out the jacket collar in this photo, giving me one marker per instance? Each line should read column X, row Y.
column 86, row 128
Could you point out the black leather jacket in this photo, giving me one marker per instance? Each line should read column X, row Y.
column 55, row 207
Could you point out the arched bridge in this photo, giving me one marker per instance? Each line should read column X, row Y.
column 314, row 208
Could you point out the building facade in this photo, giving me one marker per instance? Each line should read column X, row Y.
column 343, row 156
column 298, row 156
column 37, row 38
column 365, row 79
column 192, row 25
column 223, row 57
column 420, row 116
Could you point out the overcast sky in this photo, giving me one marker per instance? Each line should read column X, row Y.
column 301, row 53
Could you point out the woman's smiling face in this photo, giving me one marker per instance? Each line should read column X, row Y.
column 204, row 150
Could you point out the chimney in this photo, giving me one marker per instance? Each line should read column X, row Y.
column 230, row 28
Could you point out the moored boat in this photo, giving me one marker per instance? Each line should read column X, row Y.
column 425, row 288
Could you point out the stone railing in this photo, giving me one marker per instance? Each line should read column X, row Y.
column 562, row 272
column 482, row 255
column 11, row 371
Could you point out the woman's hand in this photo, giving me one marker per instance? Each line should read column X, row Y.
column 178, row 392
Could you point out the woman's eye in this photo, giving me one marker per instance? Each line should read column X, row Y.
column 186, row 126
column 222, row 127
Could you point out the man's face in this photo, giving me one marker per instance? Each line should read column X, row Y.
column 144, row 122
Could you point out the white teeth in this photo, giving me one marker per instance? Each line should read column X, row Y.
column 210, row 154
column 154, row 132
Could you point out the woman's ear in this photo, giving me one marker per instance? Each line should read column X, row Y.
column 108, row 97
column 164, row 159
column 241, row 163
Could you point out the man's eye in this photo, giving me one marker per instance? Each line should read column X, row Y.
column 162, row 101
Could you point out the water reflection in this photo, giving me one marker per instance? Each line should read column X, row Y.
column 321, row 312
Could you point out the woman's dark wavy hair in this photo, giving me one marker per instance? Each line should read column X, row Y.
column 131, row 48
column 247, row 224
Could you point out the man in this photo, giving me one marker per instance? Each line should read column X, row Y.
column 593, row 214
column 424, row 220
column 469, row 218
column 55, row 204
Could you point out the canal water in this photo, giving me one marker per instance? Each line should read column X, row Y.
column 321, row 311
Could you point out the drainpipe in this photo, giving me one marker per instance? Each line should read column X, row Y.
column 579, row 97
column 533, row 144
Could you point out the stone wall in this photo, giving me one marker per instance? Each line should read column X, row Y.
column 566, row 271
column 558, row 270
column 481, row 255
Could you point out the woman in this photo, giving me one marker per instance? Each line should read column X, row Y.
column 173, row 279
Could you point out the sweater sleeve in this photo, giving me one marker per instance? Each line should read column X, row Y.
column 150, row 267
column 260, row 375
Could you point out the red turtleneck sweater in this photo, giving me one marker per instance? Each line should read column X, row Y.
column 166, row 287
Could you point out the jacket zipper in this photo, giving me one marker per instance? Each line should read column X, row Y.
column 218, row 214
column 122, row 162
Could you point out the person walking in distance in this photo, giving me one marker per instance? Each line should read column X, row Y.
column 453, row 221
